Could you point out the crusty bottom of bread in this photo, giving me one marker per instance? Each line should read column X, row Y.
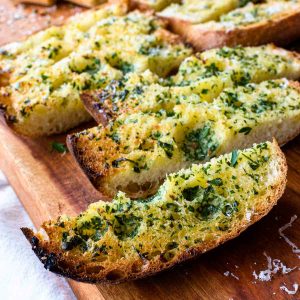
column 281, row 31
column 78, row 269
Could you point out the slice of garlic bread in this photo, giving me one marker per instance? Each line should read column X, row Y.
column 202, row 77
column 194, row 211
column 134, row 152
column 253, row 24
column 44, row 99
column 49, row 102
column 52, row 44
column 132, row 42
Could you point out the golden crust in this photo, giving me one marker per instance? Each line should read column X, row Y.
column 82, row 269
column 79, row 156
column 93, row 164
column 102, row 114
column 281, row 31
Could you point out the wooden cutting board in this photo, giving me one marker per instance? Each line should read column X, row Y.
column 49, row 184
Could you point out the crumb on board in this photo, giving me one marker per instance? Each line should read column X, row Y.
column 275, row 266
column 290, row 292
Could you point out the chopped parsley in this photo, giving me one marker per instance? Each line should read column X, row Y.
column 59, row 147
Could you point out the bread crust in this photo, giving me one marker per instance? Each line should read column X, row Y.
column 78, row 154
column 79, row 269
column 93, row 105
column 281, row 31
column 98, row 175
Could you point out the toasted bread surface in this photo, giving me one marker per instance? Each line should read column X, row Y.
column 135, row 151
column 201, row 77
column 46, row 79
column 194, row 211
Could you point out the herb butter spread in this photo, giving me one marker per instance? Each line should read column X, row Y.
column 200, row 78
column 136, row 149
column 194, row 209
column 46, row 78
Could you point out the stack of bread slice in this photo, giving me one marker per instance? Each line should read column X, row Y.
column 172, row 129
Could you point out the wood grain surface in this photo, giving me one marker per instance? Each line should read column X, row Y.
column 49, row 184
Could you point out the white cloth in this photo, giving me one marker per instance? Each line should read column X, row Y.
column 22, row 276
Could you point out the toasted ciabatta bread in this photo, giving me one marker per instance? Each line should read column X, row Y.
column 203, row 76
column 135, row 151
column 254, row 24
column 194, row 211
column 42, row 97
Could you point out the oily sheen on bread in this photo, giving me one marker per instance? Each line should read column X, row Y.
column 195, row 210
